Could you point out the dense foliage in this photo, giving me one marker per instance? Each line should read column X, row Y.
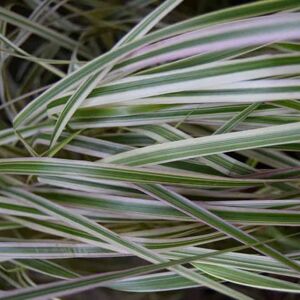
column 144, row 150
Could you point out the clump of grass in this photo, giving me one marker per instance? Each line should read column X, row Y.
column 177, row 144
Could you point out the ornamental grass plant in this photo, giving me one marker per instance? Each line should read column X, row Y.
column 145, row 151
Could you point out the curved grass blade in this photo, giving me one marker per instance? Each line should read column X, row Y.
column 88, row 282
column 98, row 64
column 109, row 236
column 228, row 126
column 203, row 215
column 52, row 35
column 65, row 168
column 89, row 84
column 247, row 278
column 208, row 145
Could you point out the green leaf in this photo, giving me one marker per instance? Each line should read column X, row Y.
column 203, row 146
